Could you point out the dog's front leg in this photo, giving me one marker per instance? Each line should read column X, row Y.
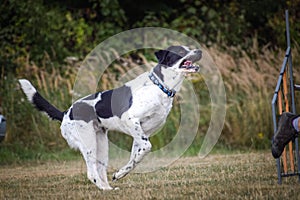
column 140, row 147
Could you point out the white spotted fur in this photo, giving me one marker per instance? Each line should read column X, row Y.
column 148, row 112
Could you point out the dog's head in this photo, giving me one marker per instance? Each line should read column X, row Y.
column 179, row 58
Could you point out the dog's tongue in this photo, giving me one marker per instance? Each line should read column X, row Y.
column 187, row 63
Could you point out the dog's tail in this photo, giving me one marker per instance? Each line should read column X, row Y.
column 39, row 102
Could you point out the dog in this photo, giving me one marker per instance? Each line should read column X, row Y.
column 138, row 108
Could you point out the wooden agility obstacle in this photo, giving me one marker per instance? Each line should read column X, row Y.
column 284, row 99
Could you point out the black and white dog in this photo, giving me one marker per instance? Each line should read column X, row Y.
column 138, row 109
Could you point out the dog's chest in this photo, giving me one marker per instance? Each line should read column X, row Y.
column 152, row 122
column 151, row 107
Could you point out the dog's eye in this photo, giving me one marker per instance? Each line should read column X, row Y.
column 182, row 53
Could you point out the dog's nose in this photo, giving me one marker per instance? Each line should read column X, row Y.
column 197, row 51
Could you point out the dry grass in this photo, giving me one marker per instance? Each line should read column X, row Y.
column 239, row 176
column 249, row 78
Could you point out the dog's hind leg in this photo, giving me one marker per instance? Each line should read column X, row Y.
column 141, row 146
column 87, row 135
column 102, row 156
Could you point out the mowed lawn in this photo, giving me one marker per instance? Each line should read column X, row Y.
column 233, row 176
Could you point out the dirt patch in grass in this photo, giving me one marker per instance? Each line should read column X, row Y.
column 237, row 176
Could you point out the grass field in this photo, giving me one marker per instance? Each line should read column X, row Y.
column 231, row 176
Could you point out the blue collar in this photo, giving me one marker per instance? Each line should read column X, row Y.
column 155, row 80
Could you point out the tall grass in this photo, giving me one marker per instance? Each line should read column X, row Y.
column 26, row 125
column 249, row 79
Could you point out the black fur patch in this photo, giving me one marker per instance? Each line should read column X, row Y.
column 114, row 102
column 83, row 111
column 167, row 58
column 43, row 105
column 170, row 56
column 71, row 114
column 157, row 71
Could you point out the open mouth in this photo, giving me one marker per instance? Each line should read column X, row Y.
column 188, row 66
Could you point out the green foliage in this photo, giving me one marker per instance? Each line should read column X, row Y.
column 64, row 28
column 29, row 27
column 37, row 28
column 37, row 35
column 230, row 23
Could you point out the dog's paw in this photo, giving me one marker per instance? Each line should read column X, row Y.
column 107, row 188
column 118, row 175
column 115, row 176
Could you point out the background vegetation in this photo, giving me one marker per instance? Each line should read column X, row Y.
column 246, row 39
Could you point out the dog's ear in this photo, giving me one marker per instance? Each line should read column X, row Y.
column 161, row 55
